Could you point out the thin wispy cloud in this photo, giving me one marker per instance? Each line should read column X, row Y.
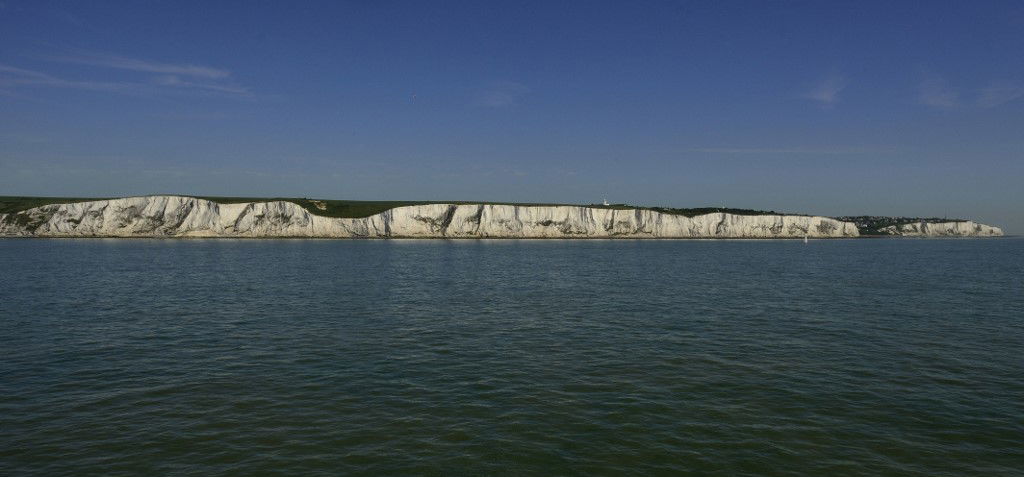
column 163, row 78
column 999, row 93
column 144, row 66
column 937, row 93
column 788, row 150
column 501, row 94
column 827, row 92
column 178, row 82
column 12, row 77
column 14, row 71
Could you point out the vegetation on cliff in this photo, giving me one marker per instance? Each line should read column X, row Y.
column 873, row 224
column 366, row 208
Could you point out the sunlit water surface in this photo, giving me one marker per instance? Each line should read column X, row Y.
column 300, row 357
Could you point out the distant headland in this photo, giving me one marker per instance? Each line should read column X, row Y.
column 183, row 216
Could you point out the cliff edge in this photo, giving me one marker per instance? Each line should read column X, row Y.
column 179, row 216
column 964, row 228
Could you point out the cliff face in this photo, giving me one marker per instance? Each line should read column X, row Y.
column 943, row 229
column 176, row 216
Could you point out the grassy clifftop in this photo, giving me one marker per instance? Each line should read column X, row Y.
column 12, row 204
column 873, row 224
column 364, row 208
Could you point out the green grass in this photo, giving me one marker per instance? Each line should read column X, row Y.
column 873, row 224
column 10, row 204
column 364, row 208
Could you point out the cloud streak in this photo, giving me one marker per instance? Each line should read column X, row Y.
column 999, row 93
column 177, row 82
column 171, row 80
column 11, row 77
column 786, row 150
column 501, row 94
column 144, row 66
column 827, row 92
column 937, row 93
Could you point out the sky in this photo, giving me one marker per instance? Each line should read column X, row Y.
column 832, row 108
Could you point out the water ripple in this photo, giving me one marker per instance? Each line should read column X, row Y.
column 855, row 357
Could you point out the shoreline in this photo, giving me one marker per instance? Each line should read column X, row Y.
column 468, row 239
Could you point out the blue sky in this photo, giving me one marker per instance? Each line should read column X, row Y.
column 889, row 108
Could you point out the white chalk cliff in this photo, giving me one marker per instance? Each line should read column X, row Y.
column 943, row 229
column 177, row 216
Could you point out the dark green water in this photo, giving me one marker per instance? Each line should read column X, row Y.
column 224, row 357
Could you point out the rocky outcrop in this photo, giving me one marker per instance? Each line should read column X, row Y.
column 964, row 228
column 177, row 216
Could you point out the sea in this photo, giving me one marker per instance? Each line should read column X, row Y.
column 187, row 357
